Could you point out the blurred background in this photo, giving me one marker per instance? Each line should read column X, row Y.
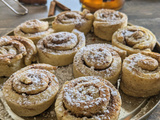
column 140, row 12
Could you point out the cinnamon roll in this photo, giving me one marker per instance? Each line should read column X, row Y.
column 88, row 98
column 33, row 29
column 15, row 53
column 107, row 21
column 99, row 60
column 134, row 39
column 31, row 90
column 59, row 48
column 69, row 20
column 141, row 74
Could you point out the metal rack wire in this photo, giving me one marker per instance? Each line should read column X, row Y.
column 15, row 11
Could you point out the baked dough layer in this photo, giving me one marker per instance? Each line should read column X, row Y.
column 69, row 20
column 141, row 74
column 107, row 21
column 98, row 60
column 31, row 90
column 15, row 53
column 33, row 29
column 88, row 98
column 58, row 49
column 134, row 39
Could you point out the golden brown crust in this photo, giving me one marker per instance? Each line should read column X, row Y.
column 99, row 60
column 107, row 21
column 134, row 39
column 33, row 29
column 15, row 53
column 59, row 48
column 31, row 90
column 88, row 98
column 141, row 74
column 69, row 20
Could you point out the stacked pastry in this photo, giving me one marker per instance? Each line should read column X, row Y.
column 69, row 20
column 15, row 53
column 31, row 90
column 134, row 39
column 141, row 74
column 99, row 60
column 33, row 29
column 107, row 21
column 88, row 98
column 59, row 48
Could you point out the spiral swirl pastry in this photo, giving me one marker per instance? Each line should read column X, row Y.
column 31, row 90
column 33, row 29
column 134, row 39
column 107, row 21
column 141, row 74
column 15, row 53
column 59, row 48
column 98, row 60
column 88, row 98
column 69, row 20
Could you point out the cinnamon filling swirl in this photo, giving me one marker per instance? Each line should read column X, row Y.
column 61, row 46
column 88, row 97
column 69, row 20
column 140, row 73
column 70, row 17
column 134, row 39
column 107, row 21
column 8, row 50
column 148, row 63
column 31, row 90
column 61, row 41
column 144, row 63
column 110, row 16
column 98, row 58
column 15, row 52
column 11, row 49
column 31, row 82
column 33, row 29
column 34, row 26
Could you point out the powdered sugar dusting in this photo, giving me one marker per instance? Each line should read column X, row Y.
column 90, row 93
column 132, row 63
column 71, row 17
column 31, row 86
column 109, row 16
column 34, row 26
column 64, row 74
column 83, row 94
column 60, row 41
column 8, row 50
column 31, row 82
column 113, row 63
column 135, row 37
column 99, row 58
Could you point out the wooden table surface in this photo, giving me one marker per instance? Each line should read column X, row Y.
column 140, row 12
